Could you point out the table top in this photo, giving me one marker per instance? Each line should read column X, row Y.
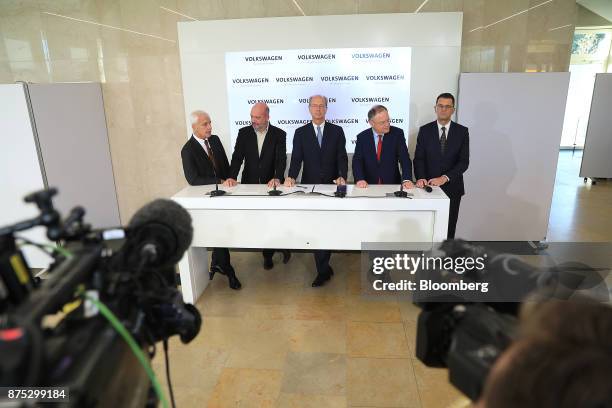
column 309, row 197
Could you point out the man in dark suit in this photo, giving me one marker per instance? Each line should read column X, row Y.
column 378, row 152
column 442, row 155
column 321, row 147
column 205, row 162
column 263, row 149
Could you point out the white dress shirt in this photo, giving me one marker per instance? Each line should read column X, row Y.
column 201, row 142
column 447, row 126
column 261, row 136
column 322, row 125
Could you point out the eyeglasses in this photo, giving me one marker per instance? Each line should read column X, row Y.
column 318, row 106
column 442, row 107
column 382, row 122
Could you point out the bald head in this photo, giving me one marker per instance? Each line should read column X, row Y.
column 260, row 116
column 201, row 124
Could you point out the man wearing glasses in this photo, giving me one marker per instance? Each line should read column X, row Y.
column 321, row 147
column 442, row 155
column 379, row 150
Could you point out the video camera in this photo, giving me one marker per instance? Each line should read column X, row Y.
column 55, row 332
column 467, row 333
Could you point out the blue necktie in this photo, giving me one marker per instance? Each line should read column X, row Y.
column 319, row 135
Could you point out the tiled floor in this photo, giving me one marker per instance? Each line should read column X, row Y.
column 280, row 343
column 580, row 211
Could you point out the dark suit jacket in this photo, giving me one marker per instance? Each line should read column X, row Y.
column 259, row 169
column 429, row 161
column 322, row 165
column 198, row 167
column 394, row 151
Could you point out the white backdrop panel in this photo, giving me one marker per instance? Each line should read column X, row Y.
column 435, row 39
column 515, row 122
column 598, row 144
column 353, row 79
column 20, row 172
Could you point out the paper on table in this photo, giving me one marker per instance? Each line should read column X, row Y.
column 371, row 191
column 249, row 189
column 325, row 189
column 259, row 190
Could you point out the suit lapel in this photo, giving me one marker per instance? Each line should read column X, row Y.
column 373, row 145
column 200, row 152
column 450, row 136
column 251, row 142
column 325, row 138
column 313, row 136
column 435, row 134
column 267, row 143
column 387, row 148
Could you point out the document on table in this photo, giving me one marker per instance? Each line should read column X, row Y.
column 327, row 189
column 370, row 191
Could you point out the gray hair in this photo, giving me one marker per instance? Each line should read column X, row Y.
column 376, row 109
column 193, row 117
column 318, row 96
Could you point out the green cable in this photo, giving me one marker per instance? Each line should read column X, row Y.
column 63, row 251
column 120, row 328
column 66, row 253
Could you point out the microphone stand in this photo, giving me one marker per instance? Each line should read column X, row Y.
column 401, row 193
column 216, row 192
column 274, row 191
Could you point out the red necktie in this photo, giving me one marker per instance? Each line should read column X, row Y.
column 379, row 153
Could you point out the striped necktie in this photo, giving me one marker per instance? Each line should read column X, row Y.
column 443, row 140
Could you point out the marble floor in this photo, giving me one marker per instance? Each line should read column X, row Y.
column 280, row 343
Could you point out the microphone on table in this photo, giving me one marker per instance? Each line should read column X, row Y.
column 401, row 193
column 428, row 188
column 274, row 191
column 340, row 191
column 216, row 192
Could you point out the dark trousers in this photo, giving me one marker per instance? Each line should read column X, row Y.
column 268, row 253
column 221, row 258
column 453, row 215
column 322, row 261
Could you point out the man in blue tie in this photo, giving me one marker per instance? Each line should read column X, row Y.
column 321, row 147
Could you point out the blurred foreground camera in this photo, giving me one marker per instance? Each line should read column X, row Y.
column 467, row 332
column 103, row 288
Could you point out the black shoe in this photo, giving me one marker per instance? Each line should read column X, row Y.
column 234, row 283
column 268, row 264
column 286, row 255
column 321, row 279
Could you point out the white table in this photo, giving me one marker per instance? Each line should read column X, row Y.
column 247, row 217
